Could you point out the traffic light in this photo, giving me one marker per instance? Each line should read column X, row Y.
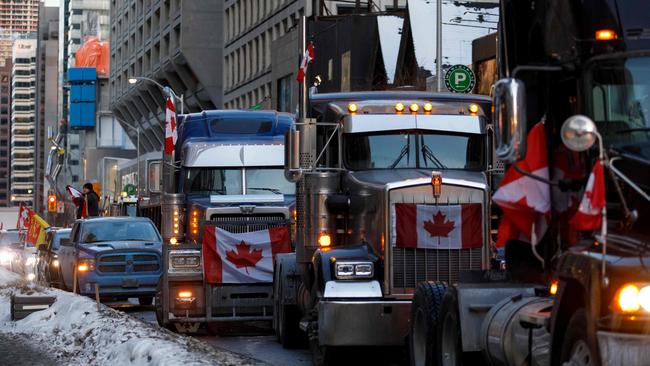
column 51, row 203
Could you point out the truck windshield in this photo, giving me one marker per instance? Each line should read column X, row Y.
column 619, row 102
column 414, row 149
column 105, row 230
column 230, row 181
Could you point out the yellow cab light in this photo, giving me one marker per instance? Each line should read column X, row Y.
column 473, row 108
column 324, row 240
column 414, row 108
column 436, row 183
column 428, row 107
column 606, row 35
column 628, row 298
column 173, row 241
column 184, row 294
column 353, row 108
column 399, row 107
column 553, row 289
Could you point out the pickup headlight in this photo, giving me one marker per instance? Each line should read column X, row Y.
column 6, row 257
column 85, row 265
column 353, row 270
column 184, row 261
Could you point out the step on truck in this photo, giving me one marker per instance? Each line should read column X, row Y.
column 392, row 189
column 223, row 208
column 581, row 296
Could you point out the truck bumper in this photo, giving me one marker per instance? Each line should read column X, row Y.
column 363, row 323
column 141, row 285
column 623, row 349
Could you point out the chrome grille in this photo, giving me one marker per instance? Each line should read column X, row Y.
column 413, row 265
column 238, row 224
column 129, row 262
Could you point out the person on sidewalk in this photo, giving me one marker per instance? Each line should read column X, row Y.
column 91, row 200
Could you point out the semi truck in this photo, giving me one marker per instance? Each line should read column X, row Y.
column 582, row 69
column 225, row 176
column 392, row 189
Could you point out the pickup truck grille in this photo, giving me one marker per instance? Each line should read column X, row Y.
column 414, row 265
column 128, row 263
column 247, row 223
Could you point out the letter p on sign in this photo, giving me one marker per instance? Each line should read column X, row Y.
column 460, row 79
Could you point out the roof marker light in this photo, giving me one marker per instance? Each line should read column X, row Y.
column 428, row 107
column 414, row 107
column 399, row 107
column 606, row 35
column 353, row 108
column 473, row 108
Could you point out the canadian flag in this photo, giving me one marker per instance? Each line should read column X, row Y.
column 307, row 58
column 78, row 199
column 590, row 211
column 526, row 202
column 170, row 127
column 242, row 258
column 437, row 227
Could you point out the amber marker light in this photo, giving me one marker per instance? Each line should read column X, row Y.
column 473, row 108
column 324, row 240
column 428, row 107
column 414, row 108
column 399, row 107
column 184, row 294
column 553, row 289
column 606, row 35
column 353, row 108
column 436, row 183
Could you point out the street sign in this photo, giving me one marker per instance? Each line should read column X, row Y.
column 60, row 207
column 460, row 79
column 129, row 189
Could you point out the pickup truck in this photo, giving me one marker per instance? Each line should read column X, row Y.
column 120, row 254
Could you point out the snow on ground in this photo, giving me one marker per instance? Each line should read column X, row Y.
column 74, row 329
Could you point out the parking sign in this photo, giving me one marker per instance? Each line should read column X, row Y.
column 460, row 79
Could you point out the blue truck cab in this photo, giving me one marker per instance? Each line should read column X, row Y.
column 228, row 172
column 122, row 255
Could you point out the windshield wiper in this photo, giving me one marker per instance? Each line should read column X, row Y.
column 405, row 152
column 427, row 153
column 274, row 190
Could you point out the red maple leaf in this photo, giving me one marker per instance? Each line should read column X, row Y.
column 244, row 256
column 439, row 226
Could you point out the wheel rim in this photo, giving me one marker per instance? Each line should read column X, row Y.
column 419, row 339
column 449, row 339
column 580, row 355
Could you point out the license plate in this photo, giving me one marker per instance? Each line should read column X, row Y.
column 130, row 282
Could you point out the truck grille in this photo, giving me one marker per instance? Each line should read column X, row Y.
column 414, row 265
column 238, row 224
column 128, row 263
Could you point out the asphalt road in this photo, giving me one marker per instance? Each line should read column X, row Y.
column 257, row 341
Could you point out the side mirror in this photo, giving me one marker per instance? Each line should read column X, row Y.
column 153, row 176
column 510, row 119
column 292, row 170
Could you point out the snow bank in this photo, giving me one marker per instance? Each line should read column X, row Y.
column 74, row 329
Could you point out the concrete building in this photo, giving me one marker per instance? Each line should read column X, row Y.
column 46, row 96
column 23, row 118
column 5, row 136
column 252, row 33
column 16, row 17
column 177, row 43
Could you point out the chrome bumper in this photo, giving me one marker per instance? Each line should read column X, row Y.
column 624, row 349
column 363, row 323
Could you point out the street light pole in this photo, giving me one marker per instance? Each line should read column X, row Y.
column 166, row 89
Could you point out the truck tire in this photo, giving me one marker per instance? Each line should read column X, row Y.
column 425, row 315
column 450, row 336
column 159, row 305
column 578, row 349
column 286, row 318
column 145, row 300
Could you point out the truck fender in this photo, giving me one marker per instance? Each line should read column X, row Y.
column 287, row 278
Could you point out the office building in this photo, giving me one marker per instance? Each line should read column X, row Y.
column 177, row 43
column 5, row 136
column 16, row 17
column 46, row 97
column 23, row 118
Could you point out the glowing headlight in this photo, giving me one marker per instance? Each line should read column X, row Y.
column 184, row 261
column 6, row 257
column 631, row 298
column 353, row 270
column 31, row 277
column 55, row 263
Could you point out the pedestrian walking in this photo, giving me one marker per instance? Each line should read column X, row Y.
column 91, row 200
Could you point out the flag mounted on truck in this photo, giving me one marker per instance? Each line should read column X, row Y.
column 242, row 257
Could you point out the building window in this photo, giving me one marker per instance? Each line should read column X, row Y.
column 284, row 93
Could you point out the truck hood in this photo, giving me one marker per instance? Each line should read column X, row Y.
column 108, row 246
column 388, row 177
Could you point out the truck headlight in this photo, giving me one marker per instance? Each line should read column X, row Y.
column 184, row 261
column 632, row 298
column 353, row 270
